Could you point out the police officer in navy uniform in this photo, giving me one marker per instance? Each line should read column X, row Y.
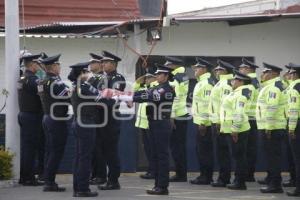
column 111, row 132
column 160, row 99
column 55, row 98
column 30, row 119
column 99, row 172
column 84, row 125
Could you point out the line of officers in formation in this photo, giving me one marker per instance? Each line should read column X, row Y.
column 230, row 106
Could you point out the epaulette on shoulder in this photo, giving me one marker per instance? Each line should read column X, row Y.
column 181, row 77
column 297, row 87
column 211, row 81
column 255, row 83
column 246, row 92
column 279, row 85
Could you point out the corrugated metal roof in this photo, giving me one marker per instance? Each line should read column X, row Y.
column 237, row 19
column 49, row 11
column 64, row 36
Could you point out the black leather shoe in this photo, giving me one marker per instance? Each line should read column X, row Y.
column 250, row 179
column 289, row 183
column 158, row 191
column 271, row 189
column 147, row 176
column 237, row 186
column 32, row 183
column 176, row 178
column 294, row 193
column 53, row 188
column 85, row 194
column 98, row 181
column 110, row 186
column 200, row 180
column 219, row 183
column 262, row 182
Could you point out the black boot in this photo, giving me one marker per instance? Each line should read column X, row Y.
column 148, row 175
column 177, row 178
column 201, row 180
column 295, row 193
column 219, row 183
column 158, row 191
column 53, row 188
column 110, row 186
column 85, row 194
column 272, row 189
column 289, row 183
column 237, row 185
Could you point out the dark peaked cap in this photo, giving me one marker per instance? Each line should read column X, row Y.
column 95, row 57
column 293, row 67
column 109, row 56
column 31, row 57
column 80, row 66
column 171, row 60
column 269, row 67
column 246, row 63
column 51, row 60
column 240, row 76
column 224, row 65
column 203, row 63
column 162, row 69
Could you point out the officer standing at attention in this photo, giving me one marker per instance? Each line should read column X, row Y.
column 143, row 83
column 293, row 121
column 271, row 120
column 99, row 172
column 219, row 92
column 84, row 125
column 201, row 97
column 160, row 99
column 110, row 140
column 30, row 119
column 54, row 95
column 248, row 68
column 234, row 114
column 179, row 118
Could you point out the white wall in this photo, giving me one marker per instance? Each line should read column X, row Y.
column 275, row 42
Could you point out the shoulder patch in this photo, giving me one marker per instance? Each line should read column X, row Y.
column 246, row 92
column 279, row 85
column 255, row 83
column 211, row 81
column 297, row 87
column 181, row 77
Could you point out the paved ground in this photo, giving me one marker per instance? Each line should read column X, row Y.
column 133, row 188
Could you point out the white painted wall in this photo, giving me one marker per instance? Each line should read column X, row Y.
column 274, row 42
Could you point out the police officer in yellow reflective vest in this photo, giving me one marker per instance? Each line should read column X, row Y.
column 201, row 97
column 179, row 118
column 293, row 121
column 143, row 83
column 271, row 120
column 234, row 119
column 222, row 89
column 248, row 68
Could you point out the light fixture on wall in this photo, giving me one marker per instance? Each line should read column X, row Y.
column 153, row 34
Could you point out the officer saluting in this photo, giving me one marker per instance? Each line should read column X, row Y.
column 30, row 119
column 248, row 68
column 54, row 96
column 85, row 130
column 271, row 120
column 201, row 97
column 111, row 132
column 160, row 100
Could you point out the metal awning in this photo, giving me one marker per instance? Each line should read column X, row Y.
column 235, row 19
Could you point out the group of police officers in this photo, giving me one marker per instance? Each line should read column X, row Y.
column 230, row 108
